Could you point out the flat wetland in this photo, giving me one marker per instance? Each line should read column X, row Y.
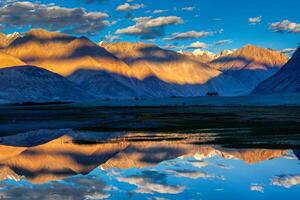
column 236, row 126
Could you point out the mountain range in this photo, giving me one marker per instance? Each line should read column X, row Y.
column 124, row 70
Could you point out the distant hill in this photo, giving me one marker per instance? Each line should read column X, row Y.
column 33, row 84
column 286, row 80
column 250, row 64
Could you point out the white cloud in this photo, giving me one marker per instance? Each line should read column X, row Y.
column 255, row 20
column 128, row 7
column 111, row 37
column 257, row 188
column 196, row 163
column 159, row 11
column 88, row 188
column 149, row 27
column 191, row 174
column 286, row 181
column 188, row 35
column 285, row 26
column 223, row 42
column 53, row 17
column 189, row 8
column 197, row 45
column 150, row 182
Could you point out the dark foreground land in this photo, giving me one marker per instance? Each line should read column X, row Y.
column 258, row 126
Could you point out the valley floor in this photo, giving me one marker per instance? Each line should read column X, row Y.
column 251, row 100
column 273, row 121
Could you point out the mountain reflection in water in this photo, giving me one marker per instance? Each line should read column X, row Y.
column 61, row 164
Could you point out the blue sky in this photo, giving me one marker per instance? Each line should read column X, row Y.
column 211, row 24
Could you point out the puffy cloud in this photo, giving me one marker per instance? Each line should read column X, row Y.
column 128, row 7
column 53, row 17
column 197, row 45
column 255, row 20
column 285, row 26
column 257, row 188
column 151, row 181
column 188, row 35
column 86, row 188
column 286, row 181
column 149, row 27
column 223, row 42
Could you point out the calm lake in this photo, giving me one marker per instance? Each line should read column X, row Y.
column 62, row 152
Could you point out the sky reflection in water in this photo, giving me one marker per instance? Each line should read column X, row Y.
column 62, row 169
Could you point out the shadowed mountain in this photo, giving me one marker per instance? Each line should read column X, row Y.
column 65, row 156
column 250, row 64
column 286, row 80
column 105, row 84
column 33, row 84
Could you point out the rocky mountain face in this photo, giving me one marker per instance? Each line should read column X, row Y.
column 8, row 60
column 250, row 64
column 178, row 72
column 285, row 81
column 33, row 84
column 61, row 53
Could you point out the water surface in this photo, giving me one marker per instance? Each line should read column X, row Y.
column 201, row 164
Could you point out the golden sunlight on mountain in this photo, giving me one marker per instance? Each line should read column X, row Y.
column 168, row 66
column 65, row 54
column 61, row 53
column 8, row 61
column 250, row 57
